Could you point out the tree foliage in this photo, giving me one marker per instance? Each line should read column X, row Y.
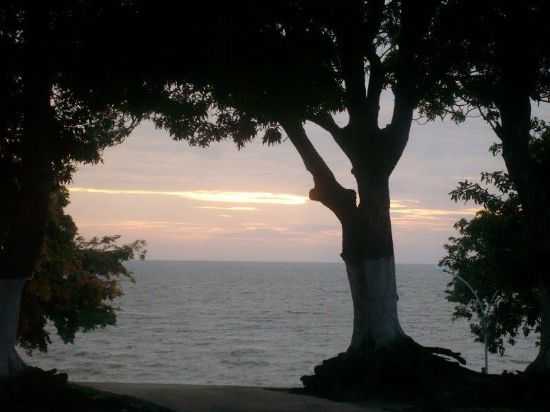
column 490, row 252
column 76, row 282
column 50, row 115
column 256, row 64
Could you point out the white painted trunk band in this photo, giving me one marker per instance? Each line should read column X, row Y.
column 374, row 294
column 10, row 302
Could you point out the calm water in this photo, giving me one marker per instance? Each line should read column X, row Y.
column 252, row 324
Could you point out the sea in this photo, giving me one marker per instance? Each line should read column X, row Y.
column 251, row 323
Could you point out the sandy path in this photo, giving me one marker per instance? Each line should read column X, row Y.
column 202, row 398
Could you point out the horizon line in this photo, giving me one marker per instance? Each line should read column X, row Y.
column 263, row 261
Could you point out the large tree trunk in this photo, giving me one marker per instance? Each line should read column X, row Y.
column 21, row 254
column 10, row 299
column 367, row 243
column 370, row 265
column 525, row 171
column 25, row 231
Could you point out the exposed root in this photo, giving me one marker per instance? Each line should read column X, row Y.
column 446, row 352
column 407, row 371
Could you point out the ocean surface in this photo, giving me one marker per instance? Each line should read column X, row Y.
column 248, row 323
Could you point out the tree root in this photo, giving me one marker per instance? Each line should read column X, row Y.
column 407, row 371
column 446, row 352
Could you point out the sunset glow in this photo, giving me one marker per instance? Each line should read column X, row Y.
column 195, row 204
column 229, row 208
column 207, row 195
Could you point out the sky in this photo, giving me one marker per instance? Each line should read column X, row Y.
column 221, row 203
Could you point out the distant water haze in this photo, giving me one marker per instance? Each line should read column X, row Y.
column 253, row 323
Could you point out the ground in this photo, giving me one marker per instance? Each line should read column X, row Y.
column 40, row 391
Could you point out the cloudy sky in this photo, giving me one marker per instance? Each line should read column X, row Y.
column 220, row 203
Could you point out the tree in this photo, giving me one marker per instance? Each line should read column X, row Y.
column 68, row 91
column 505, row 69
column 490, row 253
column 50, row 119
column 75, row 283
column 297, row 62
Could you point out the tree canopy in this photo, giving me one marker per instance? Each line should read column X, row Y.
column 47, row 124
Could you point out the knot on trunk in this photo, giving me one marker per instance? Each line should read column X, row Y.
column 334, row 196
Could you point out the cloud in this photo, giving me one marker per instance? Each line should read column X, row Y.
column 409, row 214
column 403, row 203
column 207, row 195
column 231, row 208
column 405, row 214
column 135, row 224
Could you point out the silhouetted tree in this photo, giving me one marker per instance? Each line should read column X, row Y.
column 505, row 70
column 74, row 81
column 490, row 253
column 46, row 125
column 282, row 65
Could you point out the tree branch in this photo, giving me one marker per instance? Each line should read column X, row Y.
column 326, row 122
column 326, row 188
column 377, row 72
column 495, row 125
column 396, row 134
column 353, row 68
column 415, row 21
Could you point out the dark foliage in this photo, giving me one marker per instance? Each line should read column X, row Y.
column 76, row 283
column 490, row 252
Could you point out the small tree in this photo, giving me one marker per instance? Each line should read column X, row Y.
column 490, row 253
column 76, row 281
